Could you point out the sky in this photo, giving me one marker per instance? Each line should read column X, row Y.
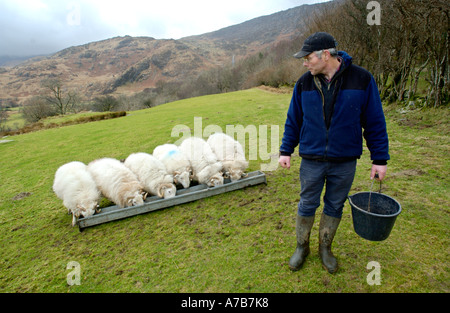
column 37, row 27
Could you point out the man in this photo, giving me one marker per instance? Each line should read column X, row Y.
column 331, row 105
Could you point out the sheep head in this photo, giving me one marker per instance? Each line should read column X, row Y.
column 183, row 178
column 167, row 191
column 84, row 209
column 88, row 208
column 235, row 174
column 215, row 180
column 136, row 198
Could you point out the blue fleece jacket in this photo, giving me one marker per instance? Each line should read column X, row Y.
column 356, row 113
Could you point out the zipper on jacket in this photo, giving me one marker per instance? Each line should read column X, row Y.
column 319, row 87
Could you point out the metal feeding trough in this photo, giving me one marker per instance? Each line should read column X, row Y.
column 154, row 203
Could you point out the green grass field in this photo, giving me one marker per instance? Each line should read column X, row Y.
column 235, row 242
column 15, row 119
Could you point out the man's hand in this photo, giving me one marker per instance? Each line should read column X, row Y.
column 285, row 161
column 380, row 169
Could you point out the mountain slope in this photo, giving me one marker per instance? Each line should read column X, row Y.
column 263, row 30
column 124, row 65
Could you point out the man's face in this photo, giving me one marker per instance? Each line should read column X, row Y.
column 313, row 63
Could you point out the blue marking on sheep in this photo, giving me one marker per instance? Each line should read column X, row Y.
column 172, row 152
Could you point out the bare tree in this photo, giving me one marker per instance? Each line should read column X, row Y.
column 58, row 97
column 438, row 50
column 413, row 38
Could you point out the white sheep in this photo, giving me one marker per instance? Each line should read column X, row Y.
column 75, row 186
column 152, row 174
column 116, row 182
column 230, row 153
column 205, row 166
column 175, row 162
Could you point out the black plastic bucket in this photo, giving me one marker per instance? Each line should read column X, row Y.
column 377, row 224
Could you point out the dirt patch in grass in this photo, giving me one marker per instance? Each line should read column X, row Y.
column 21, row 196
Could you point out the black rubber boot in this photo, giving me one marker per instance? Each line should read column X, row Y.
column 327, row 230
column 303, row 230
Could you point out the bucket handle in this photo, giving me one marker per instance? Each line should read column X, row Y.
column 370, row 194
column 381, row 182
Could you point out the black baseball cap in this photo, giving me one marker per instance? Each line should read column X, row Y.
column 315, row 42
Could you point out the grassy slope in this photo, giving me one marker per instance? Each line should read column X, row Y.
column 235, row 242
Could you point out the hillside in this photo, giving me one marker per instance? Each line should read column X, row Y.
column 103, row 66
column 249, row 37
column 125, row 65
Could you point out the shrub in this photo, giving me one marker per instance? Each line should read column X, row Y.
column 36, row 109
column 104, row 104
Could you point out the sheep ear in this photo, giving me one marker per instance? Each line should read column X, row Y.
column 160, row 193
column 144, row 195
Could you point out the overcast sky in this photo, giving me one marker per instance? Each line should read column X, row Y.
column 32, row 27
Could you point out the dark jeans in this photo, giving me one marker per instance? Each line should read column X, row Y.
column 337, row 178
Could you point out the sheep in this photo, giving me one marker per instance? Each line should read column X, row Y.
column 75, row 186
column 230, row 153
column 152, row 174
column 206, row 168
column 116, row 182
column 175, row 162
